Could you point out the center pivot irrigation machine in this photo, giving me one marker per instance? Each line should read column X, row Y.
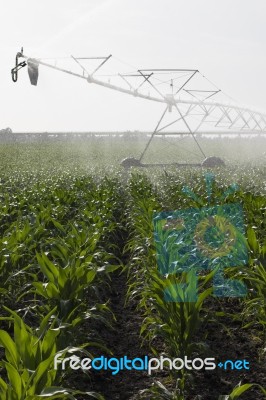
column 197, row 104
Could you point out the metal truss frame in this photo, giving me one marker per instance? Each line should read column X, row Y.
column 219, row 115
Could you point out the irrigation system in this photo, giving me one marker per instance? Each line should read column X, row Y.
column 190, row 101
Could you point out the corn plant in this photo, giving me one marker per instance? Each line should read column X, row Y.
column 158, row 391
column 29, row 364
column 241, row 389
column 255, row 306
column 168, row 303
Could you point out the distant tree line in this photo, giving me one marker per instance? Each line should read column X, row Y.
column 6, row 131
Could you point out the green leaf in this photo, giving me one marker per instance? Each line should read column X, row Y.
column 48, row 268
column 3, row 385
column 10, row 348
column 239, row 390
column 14, row 378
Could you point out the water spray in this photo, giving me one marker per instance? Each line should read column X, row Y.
column 183, row 100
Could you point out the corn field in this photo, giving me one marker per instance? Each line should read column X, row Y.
column 78, row 256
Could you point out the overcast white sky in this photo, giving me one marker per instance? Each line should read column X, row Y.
column 224, row 39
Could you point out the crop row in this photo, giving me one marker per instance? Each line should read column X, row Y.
column 177, row 323
column 57, row 250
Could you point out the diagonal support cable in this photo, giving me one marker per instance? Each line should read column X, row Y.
column 190, row 131
column 154, row 132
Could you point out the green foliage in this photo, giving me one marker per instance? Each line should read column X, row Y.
column 177, row 321
column 29, row 364
column 241, row 389
column 64, row 230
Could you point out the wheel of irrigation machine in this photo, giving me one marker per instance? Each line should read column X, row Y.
column 130, row 162
column 213, row 162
